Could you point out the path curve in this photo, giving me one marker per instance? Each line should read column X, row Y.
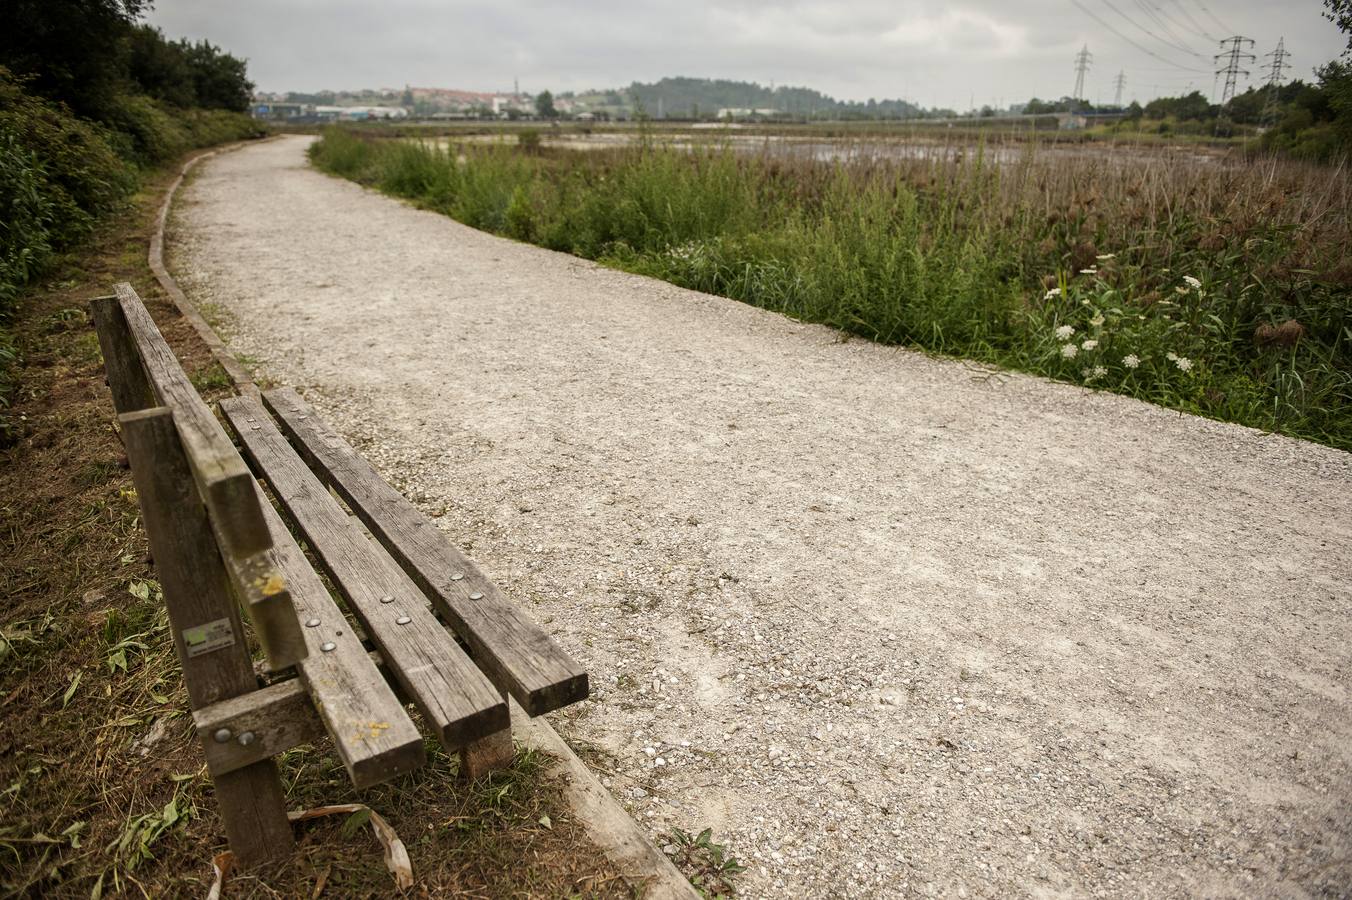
column 889, row 625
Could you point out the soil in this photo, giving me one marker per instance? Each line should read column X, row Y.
column 102, row 784
column 891, row 625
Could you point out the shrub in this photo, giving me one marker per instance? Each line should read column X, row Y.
column 26, row 218
column 81, row 175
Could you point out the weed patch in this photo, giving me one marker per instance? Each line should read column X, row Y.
column 102, row 787
column 962, row 251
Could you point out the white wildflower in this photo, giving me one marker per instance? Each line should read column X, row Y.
column 1064, row 332
column 1099, row 371
column 1192, row 282
column 1105, row 256
column 1131, row 360
column 1054, row 292
column 1184, row 364
column 1089, row 345
column 1092, row 270
column 1171, row 356
column 1182, row 289
column 1069, row 351
column 1097, row 321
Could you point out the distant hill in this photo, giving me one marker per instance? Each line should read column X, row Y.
column 669, row 98
column 702, row 98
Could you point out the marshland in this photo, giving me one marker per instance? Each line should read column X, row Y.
column 1207, row 281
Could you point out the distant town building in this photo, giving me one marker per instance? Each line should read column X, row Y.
column 738, row 112
column 275, row 110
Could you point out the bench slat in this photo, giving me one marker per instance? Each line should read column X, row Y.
column 224, row 479
column 274, row 718
column 372, row 733
column 516, row 653
column 139, row 362
column 453, row 695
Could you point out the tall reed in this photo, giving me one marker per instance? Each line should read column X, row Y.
column 1217, row 287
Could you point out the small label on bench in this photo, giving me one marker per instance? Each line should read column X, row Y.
column 206, row 638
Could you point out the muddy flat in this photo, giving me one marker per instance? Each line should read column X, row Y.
column 890, row 625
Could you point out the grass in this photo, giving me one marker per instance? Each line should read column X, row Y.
column 102, row 787
column 1218, row 287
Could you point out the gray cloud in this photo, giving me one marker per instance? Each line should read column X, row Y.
column 950, row 54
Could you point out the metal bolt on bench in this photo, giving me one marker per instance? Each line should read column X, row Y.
column 219, row 546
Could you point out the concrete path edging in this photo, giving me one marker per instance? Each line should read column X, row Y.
column 240, row 376
column 641, row 864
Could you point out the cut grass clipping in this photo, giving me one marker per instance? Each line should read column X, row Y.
column 102, row 787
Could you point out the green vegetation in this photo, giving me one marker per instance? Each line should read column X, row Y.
column 702, row 98
column 708, row 866
column 1214, row 287
column 103, row 791
column 89, row 102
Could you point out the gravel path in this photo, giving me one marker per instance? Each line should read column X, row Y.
column 890, row 625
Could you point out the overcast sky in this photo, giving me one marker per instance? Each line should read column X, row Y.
column 934, row 53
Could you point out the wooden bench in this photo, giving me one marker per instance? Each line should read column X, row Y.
column 219, row 546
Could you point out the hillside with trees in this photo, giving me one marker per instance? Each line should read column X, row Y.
column 89, row 99
column 702, row 98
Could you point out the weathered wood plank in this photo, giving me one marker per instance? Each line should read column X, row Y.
column 204, row 620
column 256, row 726
column 223, row 478
column 372, row 734
column 452, row 694
column 127, row 379
column 487, row 754
column 514, row 651
column 263, row 590
column 224, row 481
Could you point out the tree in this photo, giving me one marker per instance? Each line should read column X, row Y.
column 73, row 49
column 1339, row 12
column 1192, row 106
column 159, row 68
column 544, row 106
column 220, row 80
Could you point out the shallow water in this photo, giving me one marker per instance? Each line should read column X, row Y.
column 865, row 148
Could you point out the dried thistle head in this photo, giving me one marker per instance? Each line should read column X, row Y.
column 1212, row 242
column 1285, row 335
column 1083, row 255
column 1342, row 273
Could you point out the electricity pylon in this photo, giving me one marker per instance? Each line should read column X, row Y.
column 1231, row 70
column 1083, row 59
column 1274, row 81
column 1118, row 83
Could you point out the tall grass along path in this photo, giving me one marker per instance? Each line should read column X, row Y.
column 1218, row 287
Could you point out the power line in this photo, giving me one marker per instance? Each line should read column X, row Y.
column 1083, row 60
column 1093, row 15
column 1206, row 9
column 1191, row 21
column 1174, row 41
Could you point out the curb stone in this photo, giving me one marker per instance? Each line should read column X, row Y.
column 624, row 842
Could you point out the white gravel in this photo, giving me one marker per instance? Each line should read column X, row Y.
column 889, row 624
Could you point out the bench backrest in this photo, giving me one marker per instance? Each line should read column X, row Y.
column 143, row 373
